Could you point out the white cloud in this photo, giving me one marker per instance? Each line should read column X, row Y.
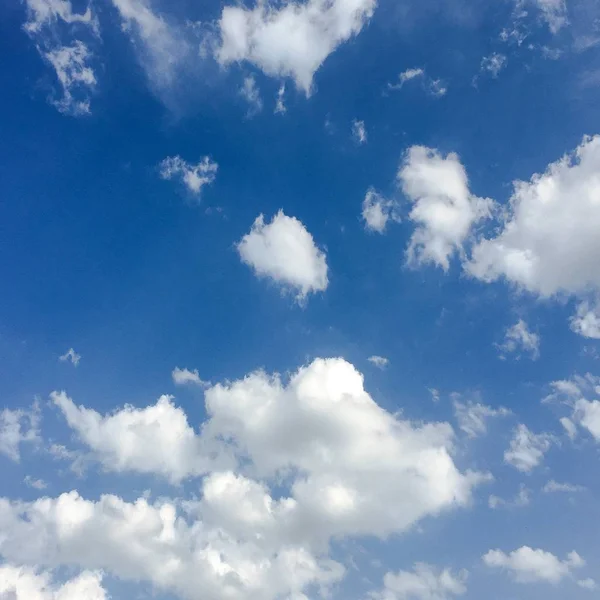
column 349, row 468
column 249, row 92
column 587, row 584
column 70, row 58
column 527, row 449
column 285, row 251
column 587, row 321
column 187, row 377
column 156, row 439
column 435, row 87
column 194, row 177
column 519, row 337
column 290, row 40
column 444, row 209
column 522, row 499
column 280, row 108
column 381, row 362
column 548, row 242
column 472, row 416
column 554, row 12
column 425, row 582
column 569, row 426
column 527, row 565
column 37, row 484
column 18, row 427
column 553, row 486
column 161, row 47
column 377, row 211
column 359, row 132
column 70, row 356
column 71, row 64
column 493, row 64
column 24, row 583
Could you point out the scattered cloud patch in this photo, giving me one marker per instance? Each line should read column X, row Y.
column 249, row 92
column 527, row 449
column 37, row 484
column 70, row 356
column 435, row 87
column 379, row 361
column 194, row 177
column 528, row 565
column 280, row 107
column 444, row 210
column 187, row 377
column 519, row 338
column 18, row 427
column 53, row 25
column 424, row 582
column 290, row 40
column 493, row 64
column 553, row 486
column 472, row 417
column 587, row 584
column 284, row 251
column 377, row 211
column 359, row 132
column 586, row 321
column 554, row 13
column 522, row 499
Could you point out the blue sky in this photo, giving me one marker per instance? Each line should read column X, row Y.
column 300, row 300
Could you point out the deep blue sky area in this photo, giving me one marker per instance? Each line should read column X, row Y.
column 139, row 274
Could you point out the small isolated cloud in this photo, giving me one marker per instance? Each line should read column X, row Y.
column 522, row 499
column 493, row 64
column 586, row 321
column 528, row 565
column 187, row 377
column 194, row 177
column 70, row 356
column 587, row 584
column 377, row 211
column 18, row 427
column 55, row 29
column 37, row 484
column 569, row 427
column 280, row 107
column 424, row 582
column 381, row 362
column 435, row 394
column 250, row 93
column 554, row 12
column 444, row 210
column 290, row 39
column 359, row 132
column 27, row 583
column 568, row 488
column 527, row 449
column 285, row 252
column 519, row 338
column 435, row 87
column 472, row 417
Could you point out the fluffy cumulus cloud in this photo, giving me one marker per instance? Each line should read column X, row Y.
column 194, row 177
column 548, row 241
column 377, row 211
column 472, row 417
column 424, row 582
column 56, row 29
column 519, row 338
column 350, row 467
column 18, row 427
column 23, row 583
column 284, row 251
column 444, row 210
column 156, row 439
column 291, row 39
column 527, row 449
column 586, row 321
column 528, row 565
